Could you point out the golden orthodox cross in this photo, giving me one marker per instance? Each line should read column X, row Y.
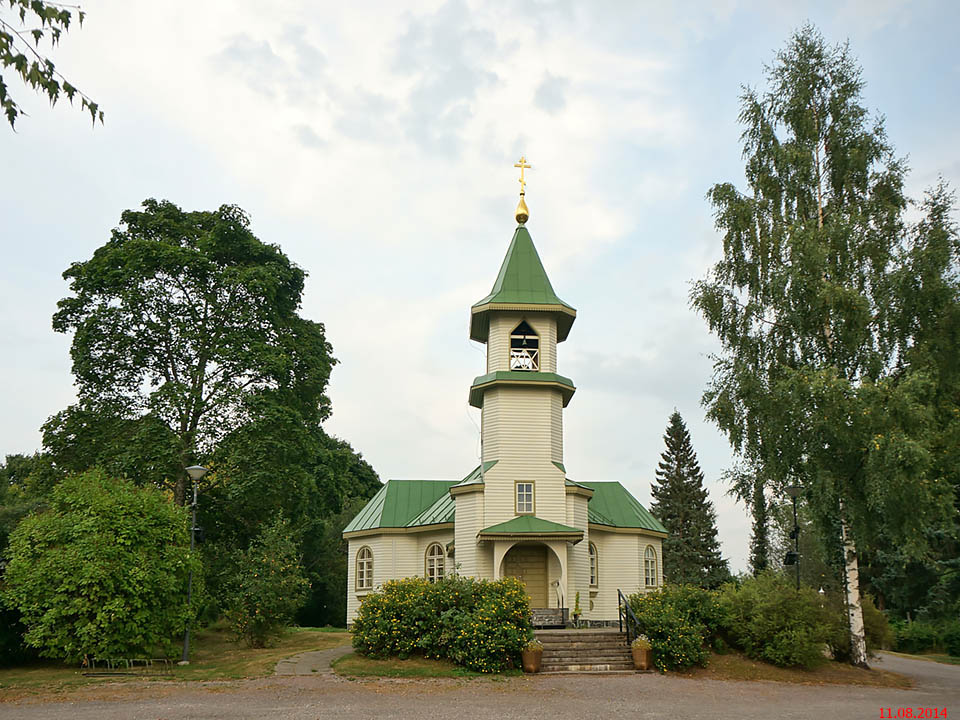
column 522, row 164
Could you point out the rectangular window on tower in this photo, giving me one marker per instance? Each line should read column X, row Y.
column 524, row 497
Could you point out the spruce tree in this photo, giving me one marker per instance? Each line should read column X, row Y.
column 691, row 552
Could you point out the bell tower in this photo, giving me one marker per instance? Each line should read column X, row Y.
column 521, row 398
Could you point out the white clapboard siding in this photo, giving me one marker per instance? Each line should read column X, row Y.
column 498, row 339
column 620, row 566
column 394, row 556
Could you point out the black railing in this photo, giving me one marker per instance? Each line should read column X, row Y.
column 628, row 621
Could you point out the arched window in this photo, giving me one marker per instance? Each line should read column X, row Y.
column 364, row 569
column 433, row 563
column 650, row 566
column 524, row 348
column 593, row 565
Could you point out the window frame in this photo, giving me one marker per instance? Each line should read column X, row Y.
column 438, row 561
column 533, row 497
column 363, row 580
column 650, row 559
column 594, row 555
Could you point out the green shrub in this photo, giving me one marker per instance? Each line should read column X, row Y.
column 678, row 619
column 875, row 625
column 951, row 638
column 103, row 571
column 480, row 624
column 915, row 637
column 770, row 620
column 269, row 586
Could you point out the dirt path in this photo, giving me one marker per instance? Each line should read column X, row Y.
column 524, row 698
column 309, row 663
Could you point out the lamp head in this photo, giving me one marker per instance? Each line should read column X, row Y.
column 793, row 491
column 196, row 472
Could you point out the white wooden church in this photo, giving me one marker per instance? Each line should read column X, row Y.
column 518, row 513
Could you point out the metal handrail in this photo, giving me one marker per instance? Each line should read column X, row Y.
column 627, row 618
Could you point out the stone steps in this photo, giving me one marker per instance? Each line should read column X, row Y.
column 584, row 651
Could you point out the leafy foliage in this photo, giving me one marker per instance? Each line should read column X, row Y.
column 691, row 551
column 268, row 585
column 915, row 637
column 102, row 572
column 770, row 620
column 835, row 316
column 951, row 638
column 38, row 21
column 877, row 629
column 678, row 620
column 185, row 328
column 480, row 624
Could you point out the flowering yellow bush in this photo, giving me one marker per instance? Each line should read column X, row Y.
column 480, row 624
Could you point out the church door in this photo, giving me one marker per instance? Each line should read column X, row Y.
column 528, row 563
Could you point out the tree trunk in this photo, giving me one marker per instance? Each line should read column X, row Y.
column 858, row 641
column 180, row 490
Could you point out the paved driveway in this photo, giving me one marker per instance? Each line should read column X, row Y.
column 524, row 698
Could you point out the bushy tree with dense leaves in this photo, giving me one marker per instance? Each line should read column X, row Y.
column 185, row 327
column 267, row 585
column 691, row 551
column 102, row 571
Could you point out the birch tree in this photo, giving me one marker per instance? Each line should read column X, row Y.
column 814, row 382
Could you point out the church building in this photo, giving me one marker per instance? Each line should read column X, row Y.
column 519, row 513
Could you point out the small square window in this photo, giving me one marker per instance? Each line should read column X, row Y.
column 524, row 497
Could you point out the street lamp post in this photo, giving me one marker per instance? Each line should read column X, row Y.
column 195, row 472
column 794, row 492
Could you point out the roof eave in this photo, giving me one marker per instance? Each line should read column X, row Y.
column 480, row 319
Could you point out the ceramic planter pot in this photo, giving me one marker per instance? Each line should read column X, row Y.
column 531, row 660
column 642, row 659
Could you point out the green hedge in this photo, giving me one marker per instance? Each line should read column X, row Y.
column 770, row 620
column 479, row 624
column 922, row 636
column 678, row 620
column 951, row 638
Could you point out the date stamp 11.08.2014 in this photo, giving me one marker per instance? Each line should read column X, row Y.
column 916, row 713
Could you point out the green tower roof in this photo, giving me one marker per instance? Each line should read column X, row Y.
column 521, row 285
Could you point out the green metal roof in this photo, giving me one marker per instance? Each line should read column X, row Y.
column 442, row 511
column 613, row 505
column 399, row 502
column 521, row 281
column 519, row 377
column 529, row 524
column 413, row 503
column 476, row 477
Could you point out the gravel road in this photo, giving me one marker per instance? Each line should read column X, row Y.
column 570, row 697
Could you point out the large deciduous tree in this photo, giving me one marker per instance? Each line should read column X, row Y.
column 823, row 379
column 691, row 551
column 185, row 328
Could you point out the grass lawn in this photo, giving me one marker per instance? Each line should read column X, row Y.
column 354, row 665
column 213, row 656
column 929, row 657
column 734, row 666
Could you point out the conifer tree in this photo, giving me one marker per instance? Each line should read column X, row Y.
column 691, row 552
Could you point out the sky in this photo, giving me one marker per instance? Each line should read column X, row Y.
column 374, row 142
